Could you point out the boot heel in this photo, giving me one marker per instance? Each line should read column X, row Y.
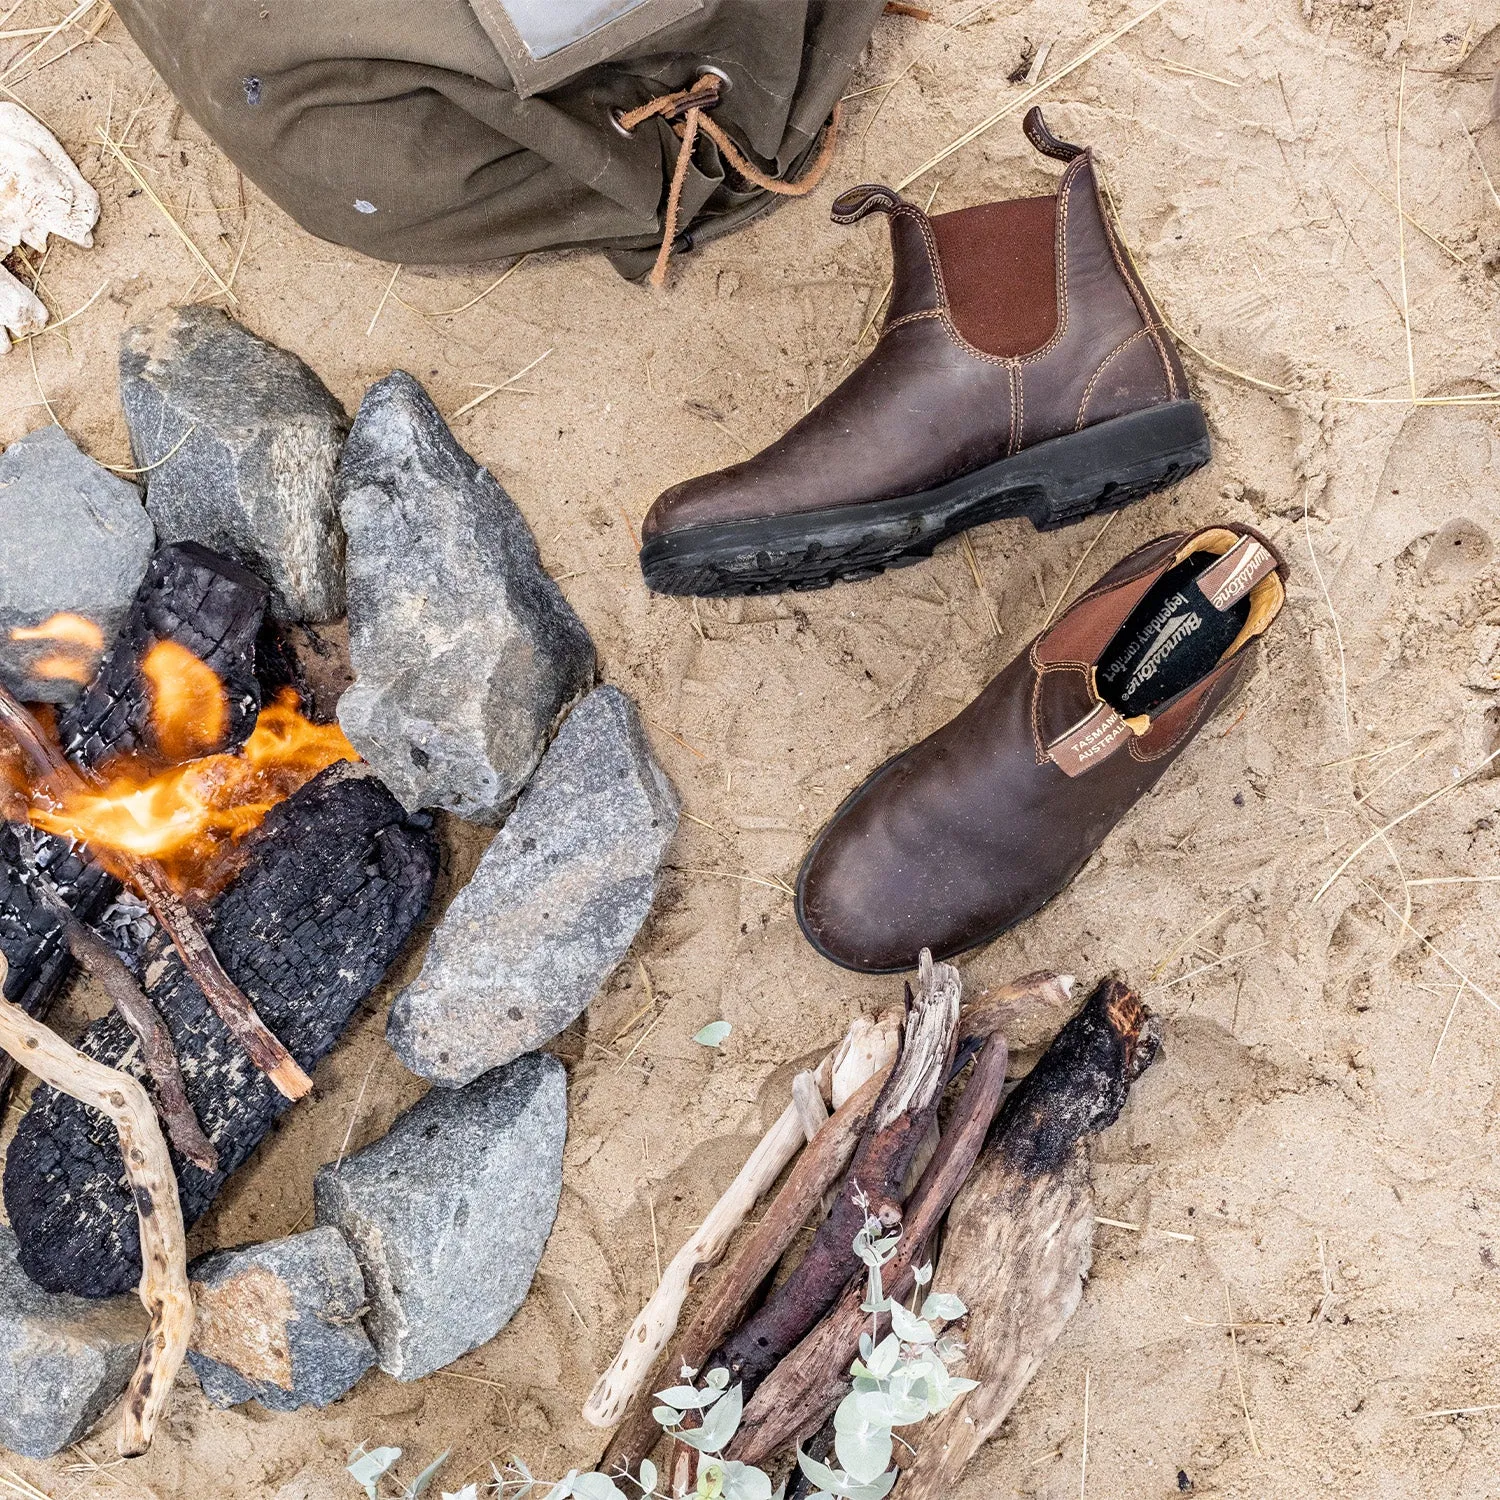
column 1106, row 466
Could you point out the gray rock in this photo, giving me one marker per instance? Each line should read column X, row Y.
column 464, row 650
column 555, row 902
column 449, row 1212
column 63, row 1359
column 279, row 1323
column 74, row 539
column 254, row 479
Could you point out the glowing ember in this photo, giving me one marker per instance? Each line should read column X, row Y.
column 79, row 641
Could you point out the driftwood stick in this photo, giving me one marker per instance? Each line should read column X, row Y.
column 826, row 1159
column 97, row 958
column 229, row 1002
column 874, row 1186
column 1020, row 1235
column 1025, row 1011
column 868, row 1048
column 802, row 1392
column 164, row 1281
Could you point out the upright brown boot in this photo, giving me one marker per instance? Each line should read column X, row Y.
column 1022, row 370
column 984, row 821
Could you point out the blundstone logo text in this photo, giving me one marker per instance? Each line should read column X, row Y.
column 1148, row 634
column 1172, row 634
column 1236, row 573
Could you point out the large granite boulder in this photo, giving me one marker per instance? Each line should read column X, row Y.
column 74, row 539
column 554, row 905
column 63, row 1359
column 279, row 1323
column 449, row 1212
column 240, row 440
column 464, row 650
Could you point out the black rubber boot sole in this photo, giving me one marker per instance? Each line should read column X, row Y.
column 1053, row 484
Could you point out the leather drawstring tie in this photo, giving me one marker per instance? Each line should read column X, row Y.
column 685, row 110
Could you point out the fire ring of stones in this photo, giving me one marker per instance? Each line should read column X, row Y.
column 230, row 772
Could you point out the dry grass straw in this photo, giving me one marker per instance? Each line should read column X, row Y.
column 1411, row 362
column 1333, row 614
column 1410, row 812
column 1083, row 1466
column 1023, row 100
column 770, row 882
column 73, row 16
column 1186, row 943
column 493, row 390
column 451, row 312
column 1239, row 1377
column 117, row 150
column 385, row 297
column 1077, row 567
column 966, row 546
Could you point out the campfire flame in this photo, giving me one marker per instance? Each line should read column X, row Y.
column 79, row 640
column 189, row 815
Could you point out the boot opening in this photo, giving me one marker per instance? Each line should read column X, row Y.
column 1194, row 616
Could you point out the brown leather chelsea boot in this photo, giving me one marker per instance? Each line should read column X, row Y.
column 1022, row 370
column 969, row 832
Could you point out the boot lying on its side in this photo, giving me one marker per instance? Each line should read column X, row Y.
column 969, row 832
column 1022, row 370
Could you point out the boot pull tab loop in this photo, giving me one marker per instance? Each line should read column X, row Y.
column 854, row 203
column 1043, row 139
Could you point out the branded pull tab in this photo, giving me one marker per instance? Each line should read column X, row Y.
column 1043, row 139
column 871, row 197
column 1093, row 738
column 1236, row 573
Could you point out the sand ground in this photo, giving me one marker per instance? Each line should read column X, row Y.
column 1320, row 1136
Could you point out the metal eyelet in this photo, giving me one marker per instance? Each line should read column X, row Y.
column 725, row 81
column 614, row 119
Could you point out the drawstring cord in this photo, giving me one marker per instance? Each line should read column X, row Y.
column 686, row 112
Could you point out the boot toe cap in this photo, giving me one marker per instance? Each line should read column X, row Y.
column 854, row 913
column 725, row 495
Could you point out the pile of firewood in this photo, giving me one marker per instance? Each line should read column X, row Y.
column 992, row 1188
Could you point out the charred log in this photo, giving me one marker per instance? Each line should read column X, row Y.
column 337, row 879
column 1020, row 1234
column 199, row 600
column 31, row 933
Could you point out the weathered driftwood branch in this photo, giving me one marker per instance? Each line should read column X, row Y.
column 867, row 1049
column 1020, row 1235
column 230, row 1003
column 96, row 957
column 803, row 1390
column 874, row 1185
column 824, row 1161
column 1025, row 1012
column 164, row 1281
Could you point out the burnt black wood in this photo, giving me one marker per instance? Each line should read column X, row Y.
column 31, row 935
column 200, row 600
column 337, row 879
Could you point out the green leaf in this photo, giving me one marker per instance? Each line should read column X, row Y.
column 596, row 1487
column 685, row 1398
column 865, row 1454
column 722, row 1420
column 943, row 1305
column 648, row 1477
column 922, row 1274
column 468, row 1492
column 883, row 1360
column 908, row 1327
column 367, row 1467
column 713, row 1033
column 744, row 1482
column 666, row 1416
column 414, row 1490
column 718, row 1378
column 563, row 1488
column 836, row 1486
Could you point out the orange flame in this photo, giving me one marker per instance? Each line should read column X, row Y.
column 189, row 707
column 190, row 817
column 80, row 639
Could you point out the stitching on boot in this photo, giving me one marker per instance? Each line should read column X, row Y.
column 911, row 317
column 1137, row 295
column 1065, row 196
column 1088, row 390
column 1015, row 399
column 1191, row 725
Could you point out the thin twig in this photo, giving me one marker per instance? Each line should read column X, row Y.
column 1411, row 362
column 1087, row 552
column 485, row 395
column 384, row 297
column 1238, row 1376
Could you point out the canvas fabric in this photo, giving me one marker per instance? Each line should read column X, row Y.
column 403, row 131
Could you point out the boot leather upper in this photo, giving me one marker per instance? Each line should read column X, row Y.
column 929, row 405
column 977, row 826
